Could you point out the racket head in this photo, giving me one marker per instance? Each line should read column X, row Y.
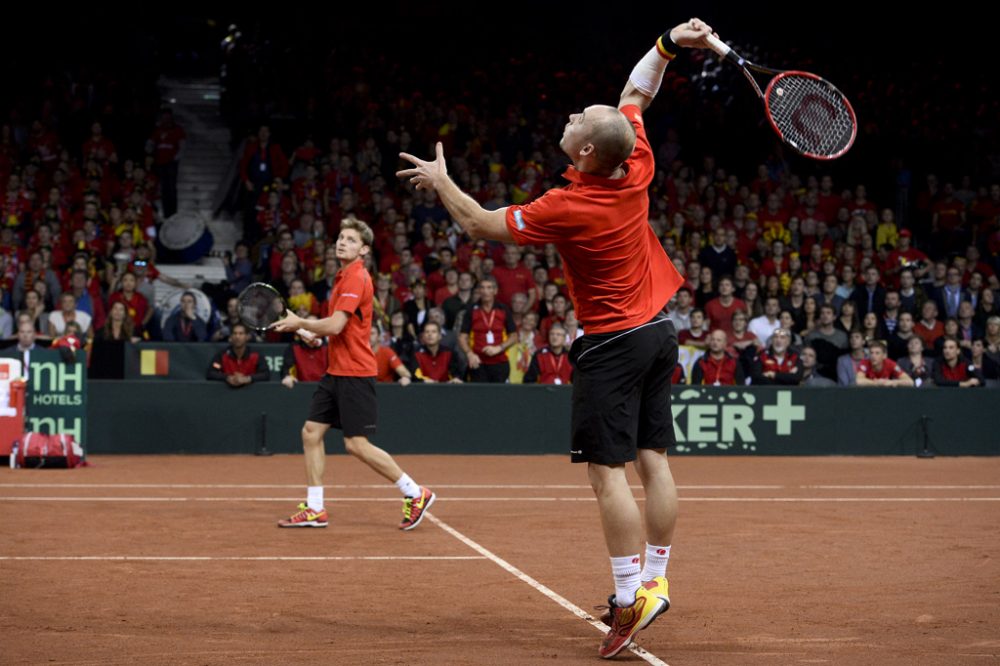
column 260, row 305
column 810, row 115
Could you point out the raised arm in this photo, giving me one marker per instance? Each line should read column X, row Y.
column 644, row 82
column 473, row 218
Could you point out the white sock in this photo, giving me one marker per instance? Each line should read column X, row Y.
column 626, row 572
column 407, row 486
column 657, row 558
column 315, row 498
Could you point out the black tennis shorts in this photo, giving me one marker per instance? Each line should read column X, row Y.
column 346, row 403
column 621, row 392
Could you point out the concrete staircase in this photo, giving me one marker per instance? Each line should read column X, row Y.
column 204, row 164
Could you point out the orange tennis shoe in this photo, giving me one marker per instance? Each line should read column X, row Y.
column 305, row 517
column 414, row 508
column 650, row 603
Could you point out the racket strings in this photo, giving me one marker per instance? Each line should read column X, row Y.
column 259, row 308
column 811, row 115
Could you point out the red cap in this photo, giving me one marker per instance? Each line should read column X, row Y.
column 905, row 232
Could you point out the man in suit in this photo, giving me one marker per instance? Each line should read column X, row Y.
column 870, row 296
column 950, row 296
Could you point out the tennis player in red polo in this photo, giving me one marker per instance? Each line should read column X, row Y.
column 879, row 370
column 345, row 397
column 620, row 280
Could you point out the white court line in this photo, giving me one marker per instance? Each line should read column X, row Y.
column 926, row 487
column 336, row 500
column 199, row 558
column 840, row 499
column 381, row 486
column 554, row 596
column 232, row 499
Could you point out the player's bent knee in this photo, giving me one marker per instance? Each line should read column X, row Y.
column 356, row 446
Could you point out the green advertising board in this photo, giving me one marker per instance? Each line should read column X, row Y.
column 212, row 417
column 169, row 361
column 56, row 398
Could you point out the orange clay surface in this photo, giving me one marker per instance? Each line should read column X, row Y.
column 177, row 560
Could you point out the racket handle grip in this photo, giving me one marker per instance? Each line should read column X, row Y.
column 724, row 50
column 307, row 336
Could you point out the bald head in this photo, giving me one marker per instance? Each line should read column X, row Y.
column 613, row 137
column 599, row 139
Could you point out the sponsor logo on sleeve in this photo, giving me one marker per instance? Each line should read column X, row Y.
column 519, row 220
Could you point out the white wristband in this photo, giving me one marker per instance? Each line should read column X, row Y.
column 648, row 72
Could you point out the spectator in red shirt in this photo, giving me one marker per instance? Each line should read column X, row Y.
column 304, row 361
column 974, row 264
column 99, row 147
column 907, row 256
column 134, row 302
column 45, row 144
column 880, row 370
column 165, row 145
column 697, row 334
column 716, row 367
column 550, row 364
column 742, row 339
column 778, row 364
column 986, row 209
column 557, row 315
column 262, row 162
column 954, row 370
column 719, row 311
column 487, row 332
column 948, row 214
column 448, row 287
column 438, row 285
column 777, row 263
column 237, row 365
column 435, row 363
column 390, row 368
column 513, row 277
column 929, row 328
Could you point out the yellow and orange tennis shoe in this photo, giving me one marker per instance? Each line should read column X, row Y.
column 305, row 517
column 650, row 602
column 414, row 508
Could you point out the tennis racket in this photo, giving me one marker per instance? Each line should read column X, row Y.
column 806, row 111
column 260, row 306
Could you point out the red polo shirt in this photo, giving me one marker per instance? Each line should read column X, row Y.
column 386, row 362
column 486, row 329
column 617, row 272
column 512, row 281
column 889, row 369
column 722, row 316
column 350, row 353
column 959, row 373
column 719, row 371
column 434, row 366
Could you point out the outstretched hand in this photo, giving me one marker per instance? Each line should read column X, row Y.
column 288, row 324
column 691, row 34
column 425, row 175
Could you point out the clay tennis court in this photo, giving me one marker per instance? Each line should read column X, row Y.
column 177, row 560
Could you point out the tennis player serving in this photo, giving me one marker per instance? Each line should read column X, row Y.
column 345, row 397
column 620, row 280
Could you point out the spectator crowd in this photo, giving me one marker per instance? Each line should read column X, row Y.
column 796, row 274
